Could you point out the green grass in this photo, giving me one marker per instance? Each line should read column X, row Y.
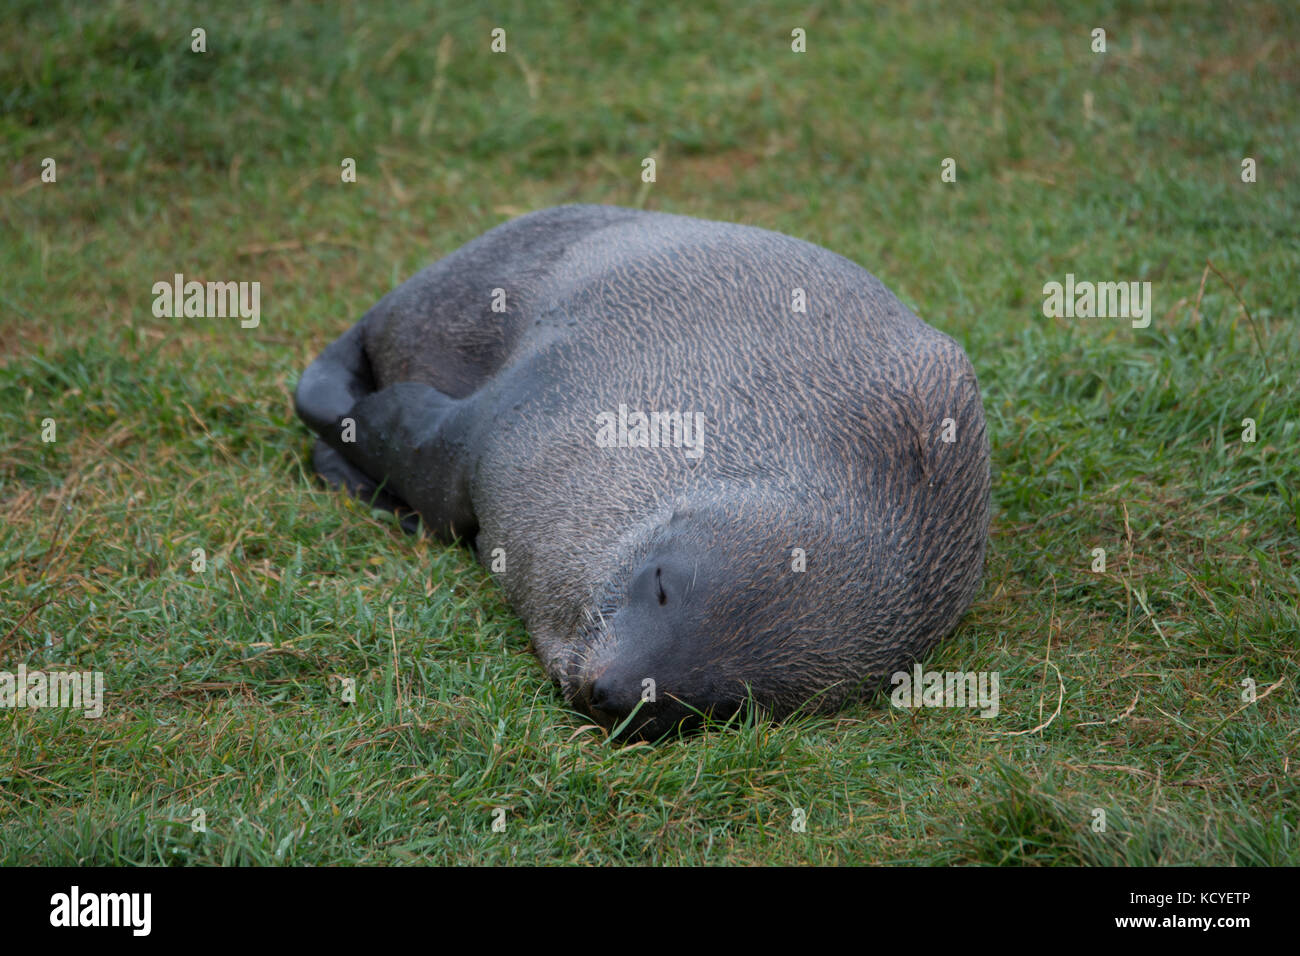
column 176, row 434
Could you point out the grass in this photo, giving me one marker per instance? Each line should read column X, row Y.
column 223, row 687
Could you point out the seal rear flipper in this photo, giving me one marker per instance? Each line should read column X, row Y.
column 325, row 396
column 338, row 472
column 332, row 384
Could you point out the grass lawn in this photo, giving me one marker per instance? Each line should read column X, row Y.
column 1124, row 691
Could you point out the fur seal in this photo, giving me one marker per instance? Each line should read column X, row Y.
column 712, row 464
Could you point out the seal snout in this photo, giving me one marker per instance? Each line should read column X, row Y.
column 614, row 695
column 653, row 659
column 640, row 644
column 617, row 695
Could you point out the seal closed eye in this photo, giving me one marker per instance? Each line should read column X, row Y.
column 704, row 494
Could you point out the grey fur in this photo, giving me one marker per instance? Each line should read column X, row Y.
column 823, row 432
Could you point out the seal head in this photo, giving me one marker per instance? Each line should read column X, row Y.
column 708, row 618
column 658, row 653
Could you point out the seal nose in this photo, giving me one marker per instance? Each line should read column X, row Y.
column 614, row 696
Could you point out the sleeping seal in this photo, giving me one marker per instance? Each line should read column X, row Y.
column 709, row 463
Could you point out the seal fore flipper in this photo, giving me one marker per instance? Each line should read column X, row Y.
column 338, row 472
column 406, row 434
